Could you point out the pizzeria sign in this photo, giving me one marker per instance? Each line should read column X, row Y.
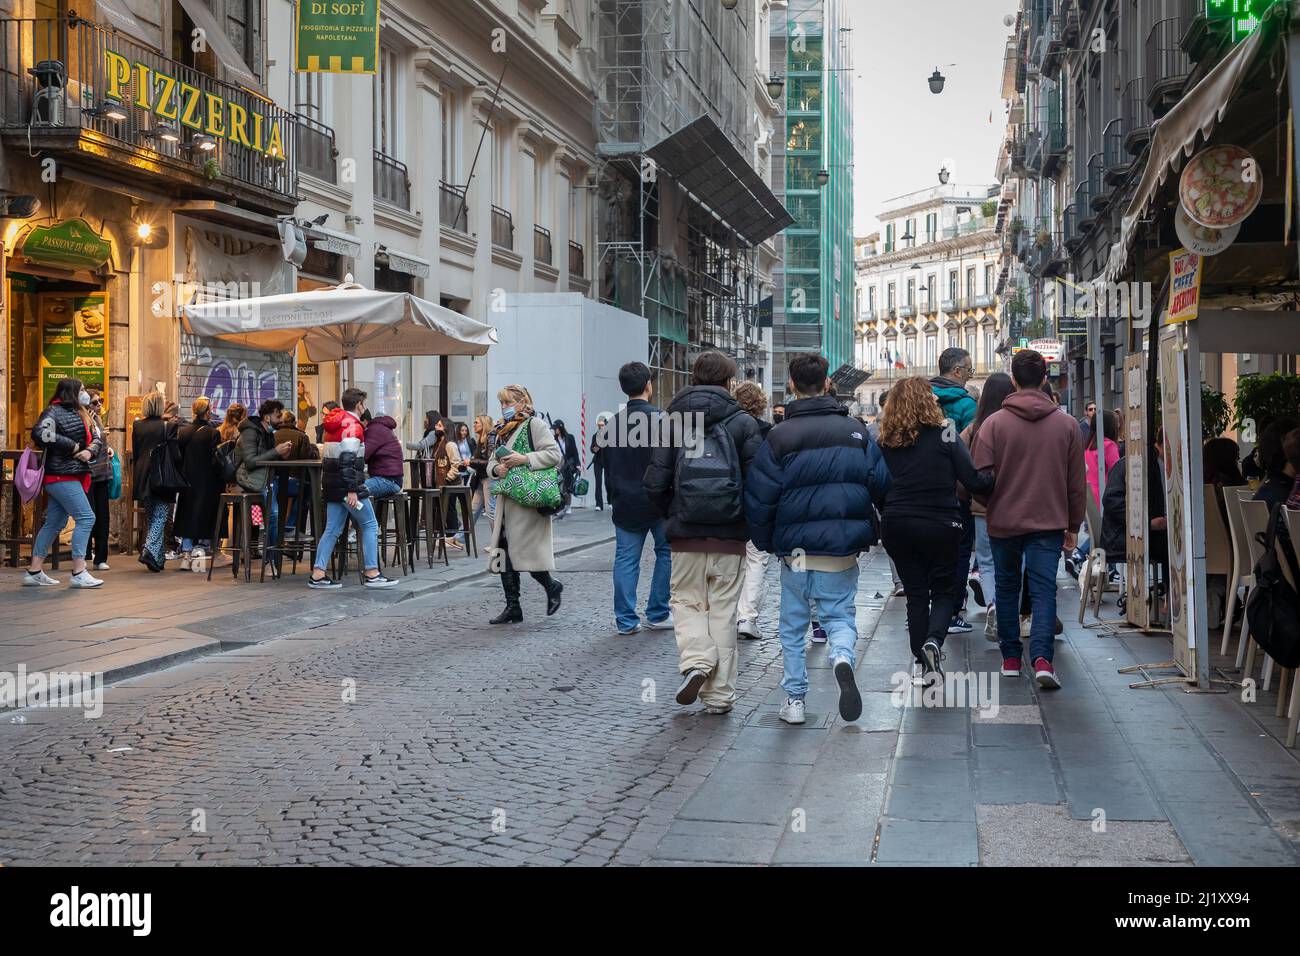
column 198, row 109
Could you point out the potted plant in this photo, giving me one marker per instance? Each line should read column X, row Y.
column 1044, row 238
column 1262, row 399
column 211, row 168
column 989, row 208
column 1215, row 413
column 1017, row 226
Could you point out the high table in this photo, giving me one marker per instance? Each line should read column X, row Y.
column 308, row 471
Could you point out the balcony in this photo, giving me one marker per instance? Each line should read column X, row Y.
column 235, row 146
column 1118, row 161
column 1016, row 148
column 1087, row 217
column 1071, row 234
column 316, row 151
column 1098, row 194
column 1034, row 151
column 392, row 184
column 1167, row 65
column 949, row 306
column 985, row 301
column 907, row 312
column 867, row 315
column 1136, row 115
column 1055, row 144
column 452, row 209
column 577, row 259
column 542, row 251
column 929, row 305
column 503, row 228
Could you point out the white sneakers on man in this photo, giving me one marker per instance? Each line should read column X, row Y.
column 83, row 579
column 39, row 579
column 792, row 711
column 748, row 629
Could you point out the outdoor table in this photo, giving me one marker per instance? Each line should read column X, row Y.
column 310, row 471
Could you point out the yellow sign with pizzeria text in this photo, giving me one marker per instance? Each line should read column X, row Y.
column 1184, row 286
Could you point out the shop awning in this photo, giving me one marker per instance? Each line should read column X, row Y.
column 1192, row 120
column 216, row 38
column 701, row 158
column 116, row 15
column 407, row 262
column 342, row 322
column 329, row 240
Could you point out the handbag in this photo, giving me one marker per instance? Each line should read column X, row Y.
column 533, row 489
column 164, row 472
column 115, row 482
column 582, row 487
column 1273, row 608
column 29, row 475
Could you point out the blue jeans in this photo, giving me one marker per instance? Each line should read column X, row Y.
column 187, row 544
column 835, row 593
column 337, row 515
column 627, row 572
column 1039, row 554
column 64, row 500
column 271, row 513
column 381, row 487
column 984, row 557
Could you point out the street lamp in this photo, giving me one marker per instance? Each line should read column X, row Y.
column 729, row 4
column 944, row 175
column 775, row 86
column 937, row 80
column 823, row 177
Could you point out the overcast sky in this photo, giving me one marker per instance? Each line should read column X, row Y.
column 902, row 132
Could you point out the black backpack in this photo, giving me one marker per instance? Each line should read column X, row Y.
column 226, row 461
column 707, row 487
column 1273, row 608
column 164, row 474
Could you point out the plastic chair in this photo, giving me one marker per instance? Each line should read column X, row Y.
column 1254, row 522
column 1243, row 567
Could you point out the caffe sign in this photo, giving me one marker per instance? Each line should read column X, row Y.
column 200, row 110
column 71, row 244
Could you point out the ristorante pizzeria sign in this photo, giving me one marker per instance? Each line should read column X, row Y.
column 200, row 110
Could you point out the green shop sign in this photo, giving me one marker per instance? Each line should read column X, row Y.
column 1242, row 17
column 337, row 36
column 70, row 244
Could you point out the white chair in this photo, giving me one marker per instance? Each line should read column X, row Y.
column 1218, row 544
column 1092, row 576
column 1243, row 568
column 1254, row 516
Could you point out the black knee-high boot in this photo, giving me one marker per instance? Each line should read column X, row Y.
column 513, row 613
column 553, row 589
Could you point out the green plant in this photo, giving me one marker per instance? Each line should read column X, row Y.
column 989, row 208
column 1015, row 307
column 1262, row 399
column 1036, row 329
column 1044, row 237
column 1215, row 413
column 211, row 168
column 1017, row 226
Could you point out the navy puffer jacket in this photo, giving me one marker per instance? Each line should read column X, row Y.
column 815, row 483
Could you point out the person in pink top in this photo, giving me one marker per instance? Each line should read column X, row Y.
column 1110, row 449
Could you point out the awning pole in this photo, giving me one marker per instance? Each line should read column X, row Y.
column 1293, row 85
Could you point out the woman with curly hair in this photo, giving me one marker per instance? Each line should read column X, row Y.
column 922, row 524
column 752, row 400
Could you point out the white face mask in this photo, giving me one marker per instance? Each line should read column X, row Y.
column 507, row 412
column 84, row 399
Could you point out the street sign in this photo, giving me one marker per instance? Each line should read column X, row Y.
column 1071, row 325
column 338, row 37
column 1241, row 16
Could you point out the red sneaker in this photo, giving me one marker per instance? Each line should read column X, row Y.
column 1045, row 674
column 1011, row 667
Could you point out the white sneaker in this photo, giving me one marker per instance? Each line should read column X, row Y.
column 991, row 625
column 39, row 579
column 171, row 556
column 83, row 579
column 792, row 711
column 198, row 561
column 748, row 629
column 185, row 562
column 103, row 566
column 665, row 625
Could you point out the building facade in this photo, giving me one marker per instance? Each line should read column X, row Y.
column 815, row 285
column 925, row 283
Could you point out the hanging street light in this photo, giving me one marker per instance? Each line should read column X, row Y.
column 775, row 86
column 937, row 80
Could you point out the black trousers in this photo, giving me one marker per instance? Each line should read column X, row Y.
column 600, row 484
column 924, row 551
column 99, row 536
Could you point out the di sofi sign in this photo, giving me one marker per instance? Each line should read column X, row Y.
column 337, row 36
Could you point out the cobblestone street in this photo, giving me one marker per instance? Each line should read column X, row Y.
column 556, row 741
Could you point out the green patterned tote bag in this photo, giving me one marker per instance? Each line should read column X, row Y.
column 532, row 489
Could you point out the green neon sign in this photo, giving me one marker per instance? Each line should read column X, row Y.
column 1242, row 17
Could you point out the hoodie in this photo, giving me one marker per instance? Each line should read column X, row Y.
column 955, row 401
column 1036, row 456
column 383, row 450
column 715, row 404
column 341, row 424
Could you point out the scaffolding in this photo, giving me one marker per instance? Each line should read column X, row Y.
column 662, row 252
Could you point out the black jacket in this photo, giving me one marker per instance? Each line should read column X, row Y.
column 715, row 404
column 814, row 483
column 624, row 449
column 146, row 435
column 572, row 463
column 924, row 477
column 62, row 433
column 342, row 472
column 196, row 512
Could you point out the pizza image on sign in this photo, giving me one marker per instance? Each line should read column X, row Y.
column 1220, row 187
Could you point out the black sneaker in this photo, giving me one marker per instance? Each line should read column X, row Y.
column 1072, row 566
column 977, row 589
column 850, row 699
column 324, row 584
column 931, row 658
column 379, row 581
column 959, row 625
column 689, row 690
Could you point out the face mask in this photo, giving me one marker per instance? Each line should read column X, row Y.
column 84, row 398
column 507, row 412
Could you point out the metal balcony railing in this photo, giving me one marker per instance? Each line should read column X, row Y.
column 1167, row 65
column 542, row 245
column 392, row 182
column 85, row 67
column 503, row 228
column 1083, row 205
column 1016, row 147
column 1136, row 115
column 1098, row 195
column 577, row 259
column 453, row 212
column 1117, row 159
column 317, row 154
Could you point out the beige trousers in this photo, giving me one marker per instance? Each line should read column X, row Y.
column 704, row 591
column 751, row 594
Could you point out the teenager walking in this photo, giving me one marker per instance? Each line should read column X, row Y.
column 996, row 390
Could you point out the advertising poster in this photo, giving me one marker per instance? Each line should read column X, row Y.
column 337, row 37
column 1135, row 426
column 1174, row 462
column 1185, row 286
column 74, row 337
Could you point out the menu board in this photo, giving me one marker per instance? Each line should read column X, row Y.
column 74, row 339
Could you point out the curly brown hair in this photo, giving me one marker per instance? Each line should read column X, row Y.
column 911, row 407
column 751, row 398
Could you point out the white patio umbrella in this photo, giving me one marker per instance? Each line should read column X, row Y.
column 345, row 322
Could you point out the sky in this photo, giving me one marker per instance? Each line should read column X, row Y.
column 903, row 133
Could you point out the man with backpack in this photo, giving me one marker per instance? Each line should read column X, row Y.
column 696, row 480
column 810, row 500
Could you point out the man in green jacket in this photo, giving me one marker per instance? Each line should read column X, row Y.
column 949, row 387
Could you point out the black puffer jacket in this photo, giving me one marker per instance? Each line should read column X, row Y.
column 342, row 472
column 62, row 433
column 715, row 404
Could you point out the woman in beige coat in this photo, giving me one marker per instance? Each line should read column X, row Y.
column 521, row 537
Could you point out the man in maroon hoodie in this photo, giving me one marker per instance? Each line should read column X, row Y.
column 383, row 457
column 1036, row 455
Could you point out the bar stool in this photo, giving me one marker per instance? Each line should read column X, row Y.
column 429, row 520
column 399, row 504
column 301, row 544
column 235, row 509
column 465, row 496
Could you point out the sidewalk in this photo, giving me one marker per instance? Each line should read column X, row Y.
column 1093, row 774
column 139, row 622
